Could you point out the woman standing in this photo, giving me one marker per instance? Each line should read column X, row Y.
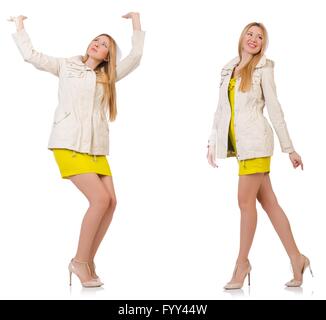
column 240, row 130
column 79, row 137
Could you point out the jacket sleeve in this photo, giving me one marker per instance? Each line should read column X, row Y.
column 132, row 61
column 274, row 109
column 37, row 59
column 213, row 135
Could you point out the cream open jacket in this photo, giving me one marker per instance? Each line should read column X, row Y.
column 254, row 135
column 80, row 122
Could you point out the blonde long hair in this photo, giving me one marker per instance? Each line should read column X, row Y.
column 106, row 75
column 247, row 71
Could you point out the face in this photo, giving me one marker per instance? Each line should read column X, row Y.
column 253, row 40
column 99, row 48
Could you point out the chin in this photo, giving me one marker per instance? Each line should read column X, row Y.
column 91, row 55
column 252, row 51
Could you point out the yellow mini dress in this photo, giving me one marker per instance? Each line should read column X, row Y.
column 249, row 166
column 71, row 163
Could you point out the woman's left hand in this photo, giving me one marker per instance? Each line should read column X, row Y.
column 19, row 21
column 296, row 160
column 131, row 15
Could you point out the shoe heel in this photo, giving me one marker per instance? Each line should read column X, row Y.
column 311, row 271
column 88, row 284
column 249, row 279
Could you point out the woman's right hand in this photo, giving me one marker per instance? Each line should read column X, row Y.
column 135, row 17
column 19, row 21
column 211, row 156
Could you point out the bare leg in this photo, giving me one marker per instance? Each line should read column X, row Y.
column 247, row 194
column 281, row 224
column 92, row 187
column 106, row 220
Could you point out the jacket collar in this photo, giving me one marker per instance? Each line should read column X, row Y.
column 230, row 65
column 78, row 60
column 261, row 62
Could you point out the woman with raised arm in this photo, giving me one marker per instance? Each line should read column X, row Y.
column 80, row 134
column 240, row 130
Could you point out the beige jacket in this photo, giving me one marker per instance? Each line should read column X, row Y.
column 254, row 135
column 80, row 122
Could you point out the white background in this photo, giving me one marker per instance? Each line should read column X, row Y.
column 176, row 228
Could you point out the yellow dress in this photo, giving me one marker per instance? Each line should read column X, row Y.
column 71, row 163
column 249, row 166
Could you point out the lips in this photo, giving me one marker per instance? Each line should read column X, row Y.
column 94, row 49
column 251, row 45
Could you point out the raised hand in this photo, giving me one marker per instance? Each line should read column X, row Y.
column 131, row 15
column 134, row 16
column 19, row 21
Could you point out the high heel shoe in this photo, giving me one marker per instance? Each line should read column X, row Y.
column 298, row 283
column 87, row 284
column 94, row 275
column 238, row 285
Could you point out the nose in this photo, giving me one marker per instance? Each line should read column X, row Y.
column 253, row 39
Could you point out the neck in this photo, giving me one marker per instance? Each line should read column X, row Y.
column 92, row 63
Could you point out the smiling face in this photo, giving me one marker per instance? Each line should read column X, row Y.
column 252, row 41
column 98, row 49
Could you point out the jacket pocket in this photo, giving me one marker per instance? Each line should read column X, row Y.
column 268, row 128
column 61, row 117
column 71, row 73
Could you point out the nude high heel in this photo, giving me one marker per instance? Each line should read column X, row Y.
column 239, row 285
column 298, row 283
column 87, row 284
column 95, row 277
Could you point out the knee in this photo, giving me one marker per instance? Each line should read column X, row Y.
column 113, row 203
column 261, row 201
column 267, row 203
column 246, row 205
column 101, row 201
column 264, row 205
column 111, row 207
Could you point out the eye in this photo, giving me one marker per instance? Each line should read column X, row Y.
column 104, row 44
